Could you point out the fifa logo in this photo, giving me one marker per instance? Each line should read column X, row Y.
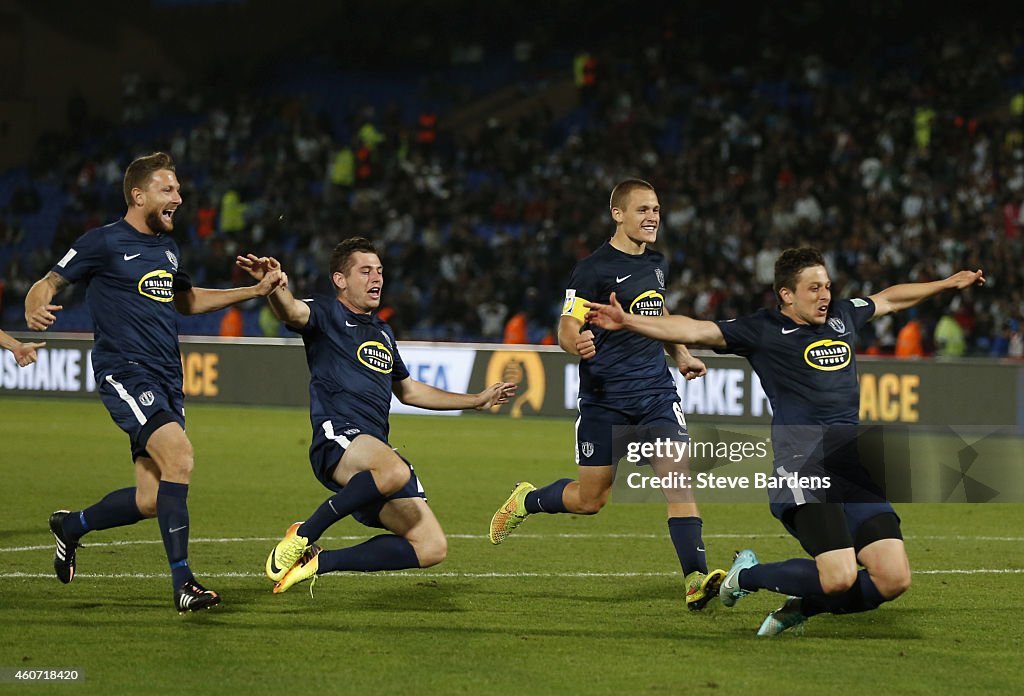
column 523, row 368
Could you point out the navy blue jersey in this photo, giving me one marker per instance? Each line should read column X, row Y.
column 353, row 360
column 626, row 364
column 809, row 373
column 132, row 278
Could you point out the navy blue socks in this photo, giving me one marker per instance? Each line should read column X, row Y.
column 384, row 552
column 686, row 537
column 862, row 596
column 797, row 576
column 360, row 490
column 172, row 515
column 547, row 499
column 117, row 509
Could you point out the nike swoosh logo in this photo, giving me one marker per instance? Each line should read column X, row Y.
column 619, row 280
column 352, row 325
column 273, row 565
column 177, row 529
column 133, row 256
column 789, row 331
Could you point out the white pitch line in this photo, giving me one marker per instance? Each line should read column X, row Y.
column 492, row 575
column 235, row 540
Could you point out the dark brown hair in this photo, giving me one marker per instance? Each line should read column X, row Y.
column 791, row 262
column 137, row 175
column 341, row 257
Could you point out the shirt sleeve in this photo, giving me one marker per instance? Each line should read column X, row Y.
column 860, row 310
column 582, row 289
column 742, row 335
column 398, row 370
column 86, row 257
column 316, row 319
column 182, row 281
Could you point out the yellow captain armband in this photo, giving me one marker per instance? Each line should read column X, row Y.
column 574, row 306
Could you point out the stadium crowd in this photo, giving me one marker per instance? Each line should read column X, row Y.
column 902, row 158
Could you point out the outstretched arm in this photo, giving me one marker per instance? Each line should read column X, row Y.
column 24, row 353
column 39, row 313
column 414, row 393
column 900, row 297
column 282, row 303
column 690, row 367
column 674, row 329
column 203, row 300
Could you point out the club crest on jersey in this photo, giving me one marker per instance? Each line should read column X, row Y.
column 587, row 449
column 157, row 285
column 146, row 398
column 660, row 276
column 376, row 356
column 828, row 355
column 648, row 304
column 173, row 259
column 837, row 325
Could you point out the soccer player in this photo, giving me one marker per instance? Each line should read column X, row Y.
column 624, row 381
column 135, row 289
column 355, row 366
column 24, row 353
column 803, row 351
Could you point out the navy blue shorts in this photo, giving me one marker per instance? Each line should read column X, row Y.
column 845, row 534
column 330, row 440
column 853, row 489
column 660, row 415
column 140, row 403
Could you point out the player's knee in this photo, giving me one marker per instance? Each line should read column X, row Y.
column 391, row 477
column 181, row 467
column 591, row 506
column 891, row 585
column 146, row 504
column 178, row 466
column 837, row 581
column 432, row 550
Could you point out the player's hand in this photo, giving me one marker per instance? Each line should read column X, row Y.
column 270, row 282
column 585, row 345
column 965, row 279
column 257, row 266
column 495, row 395
column 42, row 318
column 25, row 353
column 610, row 316
column 692, row 368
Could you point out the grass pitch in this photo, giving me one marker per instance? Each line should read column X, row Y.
column 567, row 605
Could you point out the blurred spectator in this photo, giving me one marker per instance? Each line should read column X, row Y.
column 1014, row 339
column 949, row 337
column 232, row 323
column 232, row 212
column 492, row 319
column 909, row 340
column 269, row 324
column 516, row 329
